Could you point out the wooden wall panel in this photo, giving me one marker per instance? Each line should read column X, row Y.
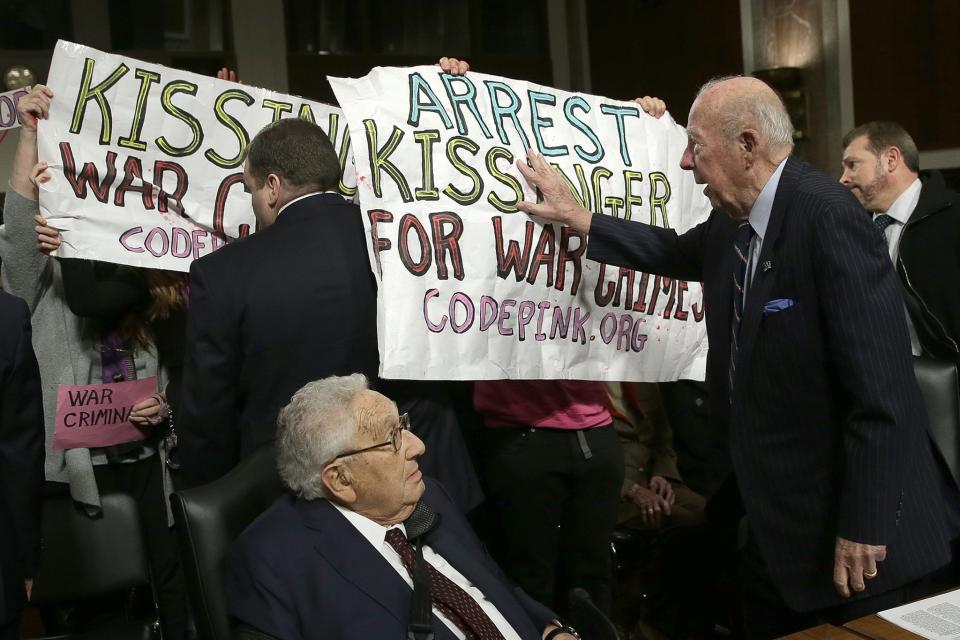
column 666, row 48
column 906, row 67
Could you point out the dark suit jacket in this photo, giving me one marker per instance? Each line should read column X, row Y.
column 826, row 431
column 928, row 262
column 292, row 303
column 21, row 455
column 302, row 571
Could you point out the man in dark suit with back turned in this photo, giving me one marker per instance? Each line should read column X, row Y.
column 21, row 461
column 294, row 302
column 337, row 556
column 810, row 372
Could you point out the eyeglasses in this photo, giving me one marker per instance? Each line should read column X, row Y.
column 396, row 437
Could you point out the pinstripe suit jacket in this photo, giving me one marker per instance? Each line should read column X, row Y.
column 826, row 431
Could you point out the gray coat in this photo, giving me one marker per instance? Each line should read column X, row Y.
column 67, row 346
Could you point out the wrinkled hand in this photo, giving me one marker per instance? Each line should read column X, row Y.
column 662, row 487
column 454, row 67
column 226, row 73
column 652, row 106
column 652, row 506
column 39, row 175
column 34, row 106
column 48, row 238
column 149, row 412
column 558, row 204
column 854, row 561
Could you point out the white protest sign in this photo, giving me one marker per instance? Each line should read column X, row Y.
column 470, row 288
column 147, row 161
column 9, row 119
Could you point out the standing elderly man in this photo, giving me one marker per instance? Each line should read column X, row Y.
column 810, row 372
column 334, row 557
column 919, row 219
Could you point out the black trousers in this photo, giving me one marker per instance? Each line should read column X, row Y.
column 554, row 496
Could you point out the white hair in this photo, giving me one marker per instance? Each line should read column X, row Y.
column 313, row 429
column 760, row 109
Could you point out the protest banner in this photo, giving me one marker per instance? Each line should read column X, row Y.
column 98, row 415
column 146, row 161
column 9, row 119
column 472, row 289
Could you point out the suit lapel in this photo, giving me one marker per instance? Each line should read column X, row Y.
column 759, row 291
column 351, row 555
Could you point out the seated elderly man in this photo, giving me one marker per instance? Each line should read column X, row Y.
column 335, row 557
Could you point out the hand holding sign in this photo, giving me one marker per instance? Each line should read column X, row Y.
column 149, row 412
column 103, row 415
column 34, row 107
column 48, row 238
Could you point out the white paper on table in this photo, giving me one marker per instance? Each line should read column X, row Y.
column 935, row 618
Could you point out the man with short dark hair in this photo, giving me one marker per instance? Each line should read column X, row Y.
column 919, row 220
column 295, row 301
column 363, row 534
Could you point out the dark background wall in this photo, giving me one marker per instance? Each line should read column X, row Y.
column 666, row 48
column 906, row 67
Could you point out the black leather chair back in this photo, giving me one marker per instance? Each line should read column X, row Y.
column 940, row 387
column 209, row 519
column 87, row 557
column 84, row 558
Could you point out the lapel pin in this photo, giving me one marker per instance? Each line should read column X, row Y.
column 767, row 265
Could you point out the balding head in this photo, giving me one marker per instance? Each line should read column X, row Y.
column 739, row 132
column 741, row 103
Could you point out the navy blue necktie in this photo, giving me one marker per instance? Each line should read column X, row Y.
column 882, row 221
column 741, row 251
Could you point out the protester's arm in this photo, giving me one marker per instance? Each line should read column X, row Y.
column 32, row 108
column 663, row 459
column 868, row 349
column 21, row 435
column 23, row 265
column 209, row 435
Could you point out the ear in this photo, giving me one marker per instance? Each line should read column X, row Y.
column 892, row 159
column 274, row 187
column 336, row 478
column 749, row 141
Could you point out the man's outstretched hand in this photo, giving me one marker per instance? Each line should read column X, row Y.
column 558, row 204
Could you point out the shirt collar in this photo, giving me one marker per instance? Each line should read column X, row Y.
column 760, row 213
column 299, row 198
column 374, row 532
column 906, row 202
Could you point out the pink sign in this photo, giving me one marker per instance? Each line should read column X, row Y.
column 98, row 415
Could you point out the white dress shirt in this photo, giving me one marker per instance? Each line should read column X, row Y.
column 376, row 535
column 306, row 195
column 759, row 219
column 901, row 210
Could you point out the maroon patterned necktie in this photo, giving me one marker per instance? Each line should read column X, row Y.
column 455, row 603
